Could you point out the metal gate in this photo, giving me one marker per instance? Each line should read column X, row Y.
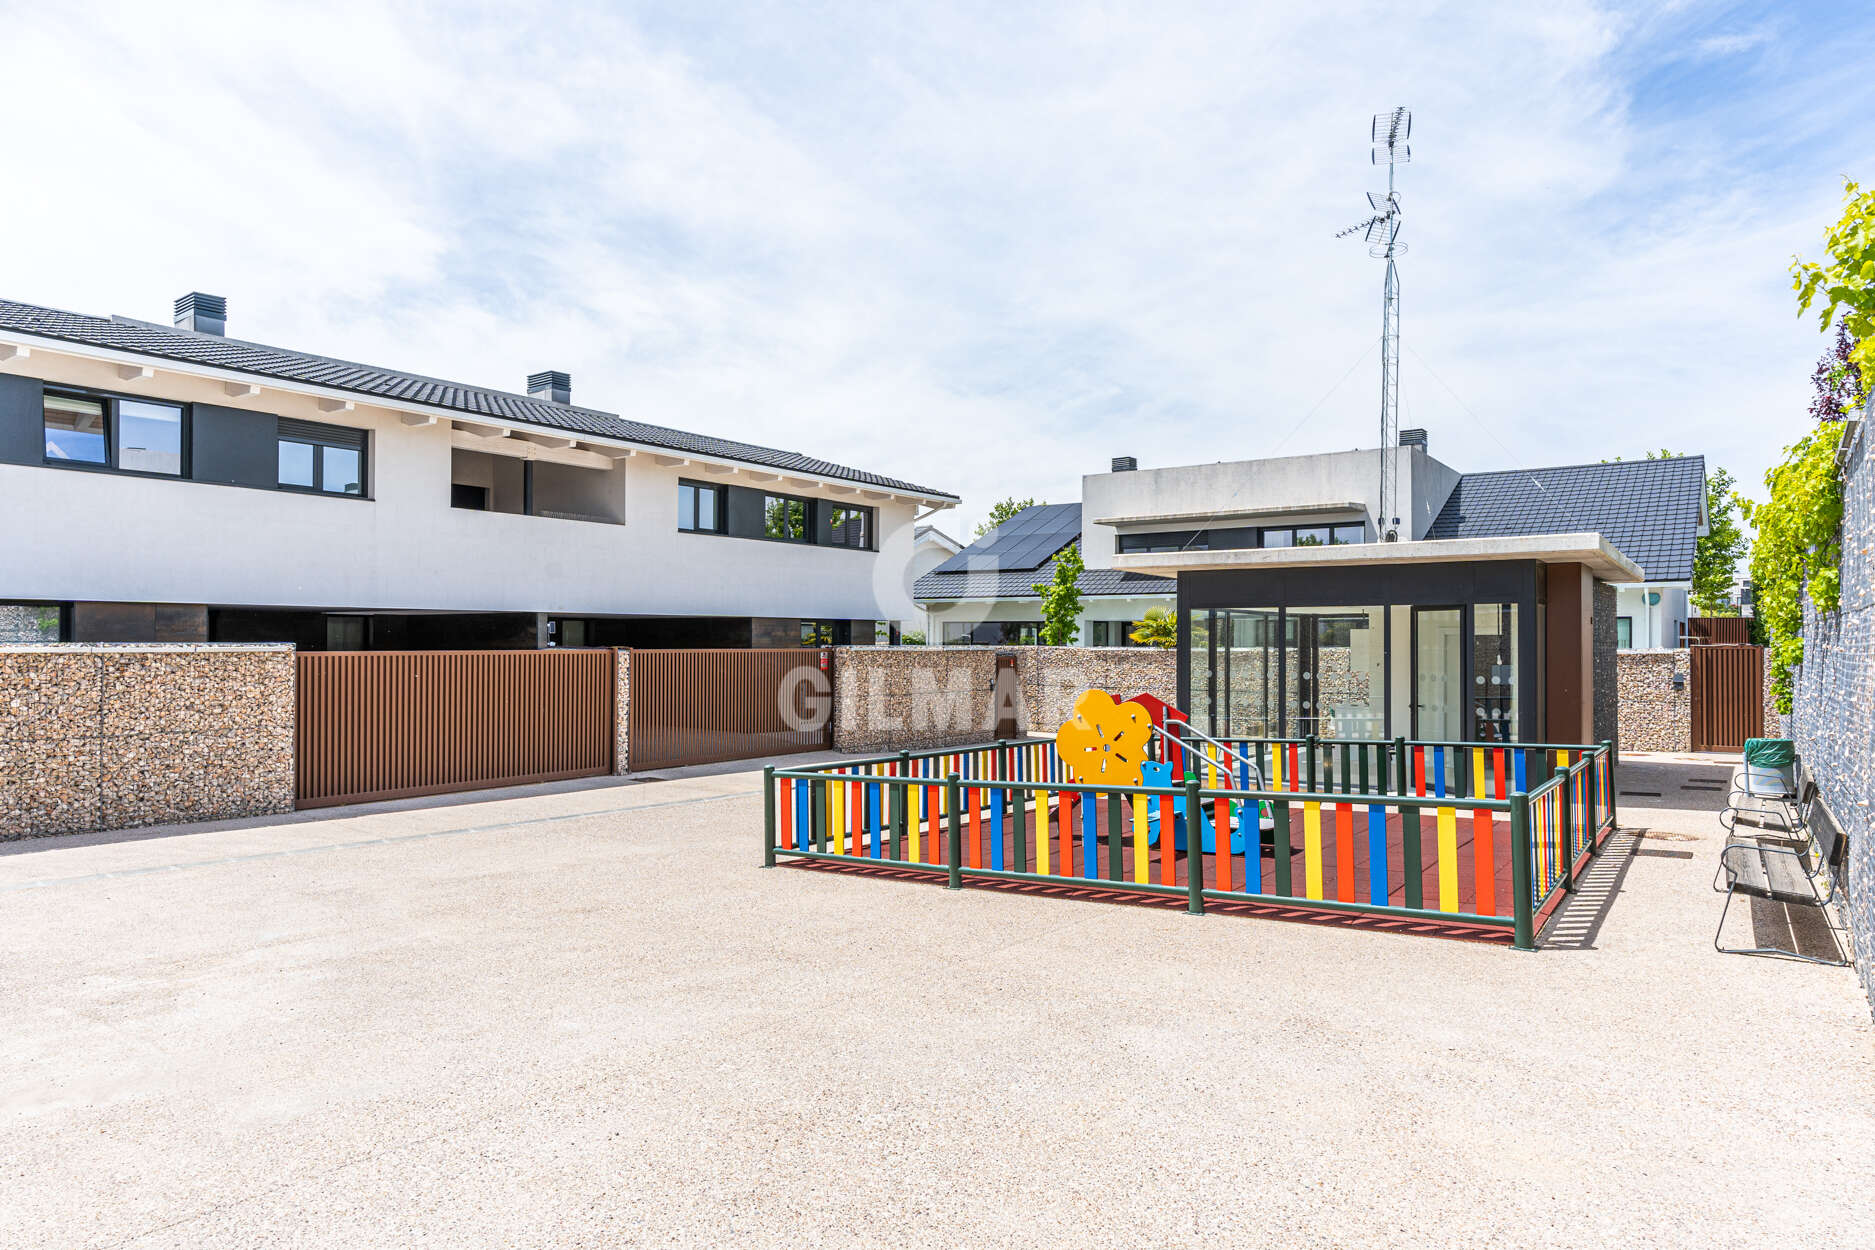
column 1728, row 696
column 390, row 724
column 706, row 706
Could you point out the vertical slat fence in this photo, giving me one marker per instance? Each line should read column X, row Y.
column 392, row 724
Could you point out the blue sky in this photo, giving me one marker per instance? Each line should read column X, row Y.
column 983, row 246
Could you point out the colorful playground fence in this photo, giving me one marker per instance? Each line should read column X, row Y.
column 1469, row 833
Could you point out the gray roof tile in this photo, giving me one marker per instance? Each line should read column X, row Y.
column 172, row 343
column 1649, row 509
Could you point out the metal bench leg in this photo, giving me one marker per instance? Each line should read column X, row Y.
column 1772, row 951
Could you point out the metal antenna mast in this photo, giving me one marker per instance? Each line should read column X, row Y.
column 1382, row 230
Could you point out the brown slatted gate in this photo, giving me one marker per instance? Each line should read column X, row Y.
column 705, row 706
column 390, row 724
column 1728, row 696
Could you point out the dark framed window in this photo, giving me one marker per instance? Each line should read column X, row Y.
column 1313, row 535
column 1222, row 539
column 115, row 432
column 1624, row 632
column 849, row 527
column 321, row 459
column 992, row 633
column 784, row 517
column 699, row 508
column 1110, row 633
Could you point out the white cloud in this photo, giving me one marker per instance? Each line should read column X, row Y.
column 983, row 247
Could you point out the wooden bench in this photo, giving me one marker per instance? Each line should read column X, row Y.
column 1781, row 872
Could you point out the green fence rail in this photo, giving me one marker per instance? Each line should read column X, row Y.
column 1467, row 833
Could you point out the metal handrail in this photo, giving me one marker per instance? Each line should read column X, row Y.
column 1256, row 769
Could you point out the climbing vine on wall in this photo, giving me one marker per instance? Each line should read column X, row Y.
column 1799, row 547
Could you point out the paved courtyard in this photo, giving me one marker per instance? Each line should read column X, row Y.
column 584, row 1017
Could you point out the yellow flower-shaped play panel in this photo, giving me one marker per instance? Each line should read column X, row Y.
column 1105, row 742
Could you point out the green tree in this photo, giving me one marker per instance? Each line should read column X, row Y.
column 1061, row 599
column 1716, row 556
column 1158, row 628
column 1799, row 547
column 1003, row 510
column 1846, row 284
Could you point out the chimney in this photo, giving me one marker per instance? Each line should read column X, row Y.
column 1413, row 438
column 550, row 385
column 205, row 314
column 1125, row 464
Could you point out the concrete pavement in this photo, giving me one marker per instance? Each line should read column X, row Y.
column 583, row 1017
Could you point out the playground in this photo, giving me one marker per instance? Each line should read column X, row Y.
column 1476, row 840
column 583, row 1015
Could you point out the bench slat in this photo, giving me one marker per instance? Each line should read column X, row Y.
column 1781, row 878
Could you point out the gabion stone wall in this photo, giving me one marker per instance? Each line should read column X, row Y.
column 1833, row 705
column 110, row 736
column 1607, row 678
column 1654, row 716
column 918, row 698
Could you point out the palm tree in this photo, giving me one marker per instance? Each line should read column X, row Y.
column 1158, row 628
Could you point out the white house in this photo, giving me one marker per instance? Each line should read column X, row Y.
column 1652, row 511
column 170, row 483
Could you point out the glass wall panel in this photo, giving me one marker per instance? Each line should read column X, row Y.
column 1202, row 660
column 1438, row 668
column 1494, row 672
column 1341, row 688
column 1249, row 702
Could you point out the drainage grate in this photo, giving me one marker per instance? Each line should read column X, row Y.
column 1640, row 794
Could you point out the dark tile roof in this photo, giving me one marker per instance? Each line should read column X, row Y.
column 171, row 343
column 1020, row 584
column 1649, row 509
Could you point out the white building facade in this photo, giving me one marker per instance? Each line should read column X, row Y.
column 169, row 483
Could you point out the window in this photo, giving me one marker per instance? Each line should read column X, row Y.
column 849, row 527
column 462, row 495
column 77, row 430
column 149, row 437
column 1110, row 633
column 1315, row 535
column 327, row 459
column 992, row 634
column 133, row 435
column 826, row 633
column 699, row 508
column 784, row 517
column 1226, row 539
column 1624, row 632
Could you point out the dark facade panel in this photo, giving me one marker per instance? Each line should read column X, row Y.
column 234, row 446
column 22, row 420
column 1482, row 581
column 139, row 622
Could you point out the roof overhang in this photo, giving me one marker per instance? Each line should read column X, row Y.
column 1214, row 516
column 1588, row 549
column 241, row 384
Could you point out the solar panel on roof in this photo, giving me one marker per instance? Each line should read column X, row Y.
column 1024, row 541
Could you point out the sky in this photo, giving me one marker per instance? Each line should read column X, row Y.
column 984, row 247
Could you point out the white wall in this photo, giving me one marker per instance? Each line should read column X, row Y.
column 1294, row 490
column 927, row 554
column 1103, row 608
column 1655, row 625
column 102, row 536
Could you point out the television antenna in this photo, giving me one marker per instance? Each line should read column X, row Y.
column 1382, row 232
